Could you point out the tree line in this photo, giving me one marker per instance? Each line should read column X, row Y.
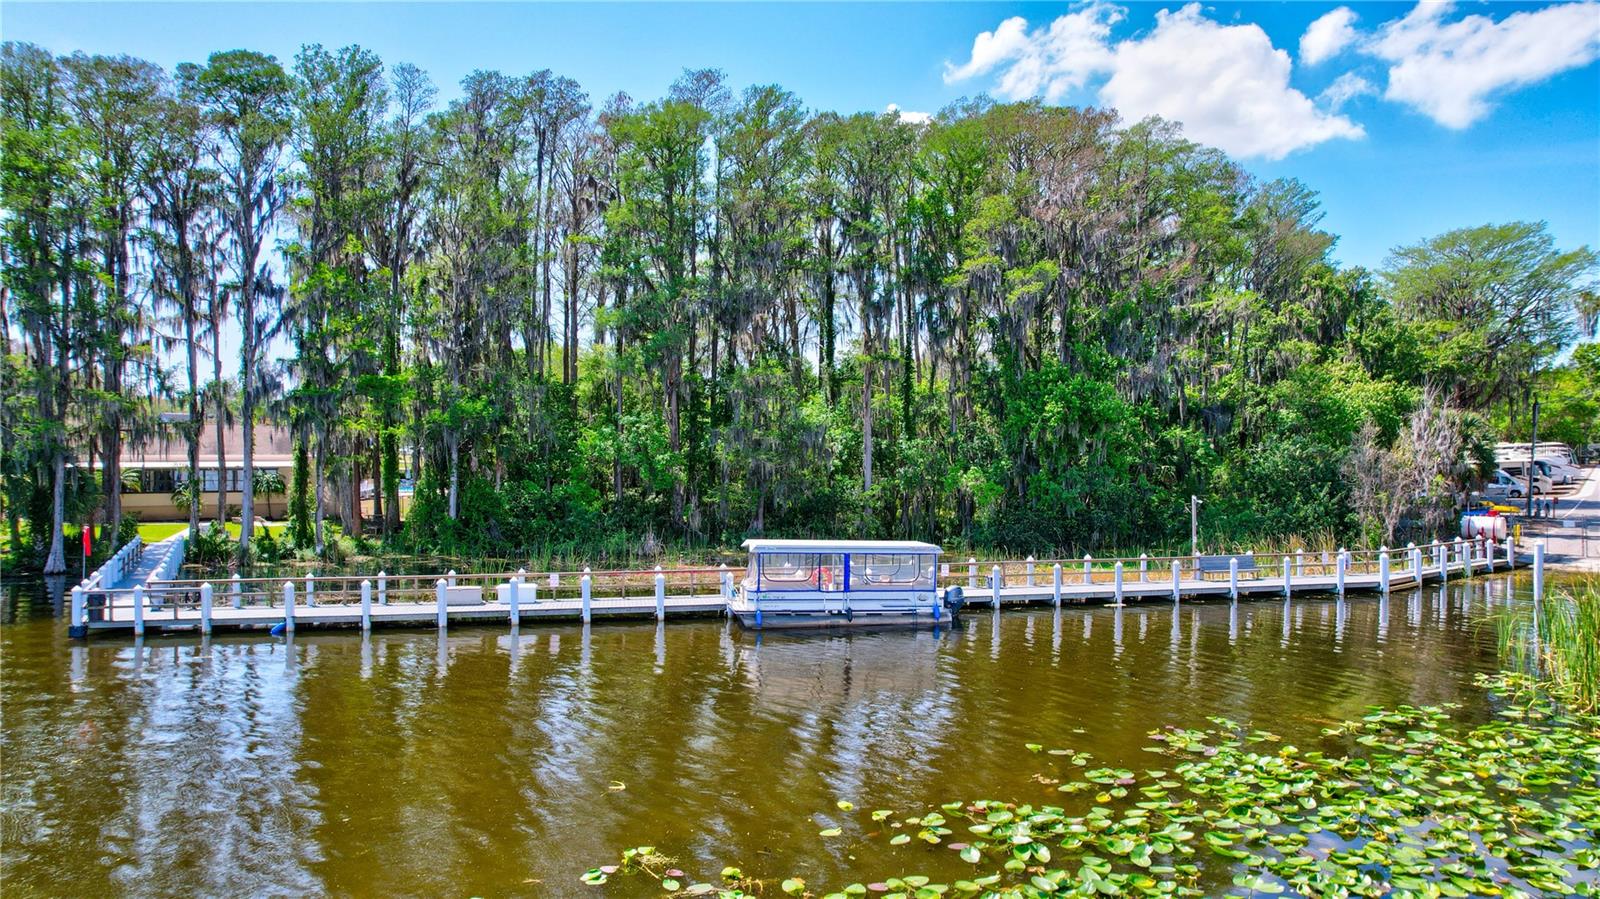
column 616, row 324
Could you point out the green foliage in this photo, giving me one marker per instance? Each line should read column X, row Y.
column 300, row 535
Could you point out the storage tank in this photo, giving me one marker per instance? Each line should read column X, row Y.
column 1495, row 527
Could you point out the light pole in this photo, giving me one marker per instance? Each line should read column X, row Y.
column 1194, row 525
column 1533, row 450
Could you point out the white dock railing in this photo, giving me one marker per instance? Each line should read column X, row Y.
column 184, row 602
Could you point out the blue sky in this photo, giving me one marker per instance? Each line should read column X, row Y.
column 1407, row 120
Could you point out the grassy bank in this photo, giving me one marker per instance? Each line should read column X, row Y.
column 1561, row 640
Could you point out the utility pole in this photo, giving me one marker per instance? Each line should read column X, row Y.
column 1194, row 525
column 1533, row 449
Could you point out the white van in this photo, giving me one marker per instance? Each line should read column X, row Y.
column 1502, row 486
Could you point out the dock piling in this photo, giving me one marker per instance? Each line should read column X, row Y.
column 661, row 594
column 1538, row 571
column 584, row 587
column 1117, row 581
column 288, row 605
column 383, row 589
column 1288, row 580
column 366, row 605
column 311, row 592
column 1055, row 588
column 1383, row 569
column 1030, row 571
column 205, row 608
column 238, row 594
column 450, row 577
column 1339, row 569
column 1088, row 570
column 439, row 600
column 1299, row 563
column 1233, row 577
column 138, row 610
column 514, row 600
column 994, row 584
column 1441, row 552
column 972, row 573
column 76, row 622
column 1177, row 581
column 1144, row 568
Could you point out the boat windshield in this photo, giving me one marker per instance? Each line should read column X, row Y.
column 893, row 570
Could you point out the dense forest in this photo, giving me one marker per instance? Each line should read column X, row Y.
column 615, row 325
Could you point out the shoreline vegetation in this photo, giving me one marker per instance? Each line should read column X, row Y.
column 718, row 313
column 1403, row 801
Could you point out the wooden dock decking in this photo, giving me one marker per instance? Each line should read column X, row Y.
column 166, row 605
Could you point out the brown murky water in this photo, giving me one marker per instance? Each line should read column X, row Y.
column 482, row 763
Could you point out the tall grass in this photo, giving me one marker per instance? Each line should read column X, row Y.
column 1561, row 640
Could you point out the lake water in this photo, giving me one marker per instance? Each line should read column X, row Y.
column 481, row 763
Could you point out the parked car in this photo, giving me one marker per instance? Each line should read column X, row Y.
column 1518, row 471
column 1503, row 486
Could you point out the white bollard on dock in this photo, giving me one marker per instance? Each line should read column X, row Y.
column 1030, row 571
column 1177, row 581
column 584, row 587
column 288, row 605
column 205, row 608
column 383, row 589
column 995, row 584
column 1288, row 578
column 311, row 592
column 443, row 619
column 972, row 573
column 1144, row 568
column 1233, row 577
column 450, row 576
column 238, row 594
column 366, row 605
column 1383, row 569
column 1116, row 574
column 661, row 594
column 1088, row 570
column 1055, row 585
column 1299, row 563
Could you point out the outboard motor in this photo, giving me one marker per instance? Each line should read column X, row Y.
column 954, row 600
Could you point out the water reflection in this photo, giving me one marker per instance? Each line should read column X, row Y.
column 495, row 760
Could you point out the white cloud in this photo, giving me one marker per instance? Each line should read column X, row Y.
column 1226, row 84
column 909, row 117
column 1451, row 70
column 1329, row 34
column 1345, row 88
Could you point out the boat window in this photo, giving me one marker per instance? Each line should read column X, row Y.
column 788, row 571
column 893, row 569
column 831, row 572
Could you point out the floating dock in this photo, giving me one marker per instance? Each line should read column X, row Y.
column 136, row 591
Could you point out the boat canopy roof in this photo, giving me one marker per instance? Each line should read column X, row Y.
column 840, row 546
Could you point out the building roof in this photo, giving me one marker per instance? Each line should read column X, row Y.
column 839, row 546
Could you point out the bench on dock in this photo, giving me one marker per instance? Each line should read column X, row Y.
column 1209, row 565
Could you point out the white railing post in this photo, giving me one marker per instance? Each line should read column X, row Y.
column 1383, row 569
column 1117, row 580
column 1288, row 578
column 585, row 585
column 661, row 594
column 1088, row 570
column 383, row 589
column 1177, row 581
column 442, row 619
column 366, row 605
column 288, row 605
column 514, row 600
column 138, row 610
column 311, row 592
column 1144, row 568
column 972, row 573
column 1030, row 571
column 238, row 594
column 1233, row 577
column 1340, row 567
column 205, row 608
column 1055, row 584
column 994, row 584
